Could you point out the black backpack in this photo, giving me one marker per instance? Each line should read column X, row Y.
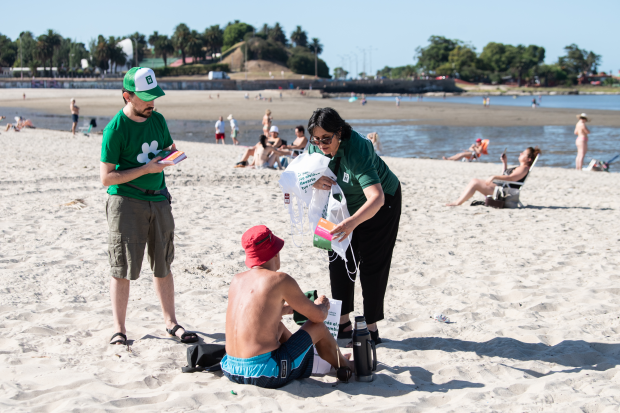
column 204, row 357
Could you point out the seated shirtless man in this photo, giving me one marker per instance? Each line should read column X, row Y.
column 260, row 350
column 273, row 140
column 298, row 145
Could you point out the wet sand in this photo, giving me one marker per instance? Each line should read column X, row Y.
column 196, row 105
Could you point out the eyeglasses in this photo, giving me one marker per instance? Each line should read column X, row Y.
column 324, row 141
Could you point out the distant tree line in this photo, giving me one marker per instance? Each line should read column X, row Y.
column 496, row 62
column 269, row 42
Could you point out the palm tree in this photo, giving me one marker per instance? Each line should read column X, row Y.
column 102, row 53
column 47, row 44
column 277, row 34
column 318, row 49
column 194, row 45
column 116, row 54
column 299, row 37
column 162, row 46
column 316, row 46
column 180, row 38
column 214, row 38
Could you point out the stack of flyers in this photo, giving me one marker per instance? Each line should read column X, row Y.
column 322, row 237
column 171, row 158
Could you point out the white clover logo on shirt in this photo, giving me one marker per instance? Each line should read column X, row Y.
column 147, row 150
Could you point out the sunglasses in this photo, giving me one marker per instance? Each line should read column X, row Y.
column 324, row 141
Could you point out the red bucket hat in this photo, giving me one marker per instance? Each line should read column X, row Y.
column 260, row 245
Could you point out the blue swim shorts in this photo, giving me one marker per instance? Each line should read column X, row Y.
column 291, row 361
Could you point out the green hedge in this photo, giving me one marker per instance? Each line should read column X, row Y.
column 303, row 64
column 193, row 69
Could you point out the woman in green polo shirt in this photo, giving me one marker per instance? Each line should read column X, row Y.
column 374, row 202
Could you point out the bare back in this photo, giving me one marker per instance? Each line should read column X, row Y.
column 255, row 302
column 263, row 154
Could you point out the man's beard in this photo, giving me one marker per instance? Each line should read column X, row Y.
column 146, row 113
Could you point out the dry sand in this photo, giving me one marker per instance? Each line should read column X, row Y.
column 532, row 294
column 196, row 105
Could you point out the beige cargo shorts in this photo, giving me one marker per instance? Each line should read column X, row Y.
column 133, row 225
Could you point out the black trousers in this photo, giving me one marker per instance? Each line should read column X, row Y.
column 372, row 243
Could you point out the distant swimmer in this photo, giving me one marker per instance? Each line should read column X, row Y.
column 582, row 132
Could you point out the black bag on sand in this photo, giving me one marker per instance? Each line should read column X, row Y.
column 204, row 357
column 493, row 203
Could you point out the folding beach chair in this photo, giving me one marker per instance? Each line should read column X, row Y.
column 87, row 127
column 513, row 201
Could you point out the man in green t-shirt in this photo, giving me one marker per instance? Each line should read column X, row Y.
column 138, row 206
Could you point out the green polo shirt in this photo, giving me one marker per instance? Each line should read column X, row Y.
column 129, row 144
column 360, row 167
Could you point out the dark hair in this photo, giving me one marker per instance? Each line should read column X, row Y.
column 125, row 90
column 533, row 153
column 330, row 120
column 263, row 140
column 300, row 128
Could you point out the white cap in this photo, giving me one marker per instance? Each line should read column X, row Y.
column 230, row 117
column 274, row 129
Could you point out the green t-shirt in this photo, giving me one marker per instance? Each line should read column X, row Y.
column 129, row 144
column 360, row 167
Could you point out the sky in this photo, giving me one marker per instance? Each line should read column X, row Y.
column 387, row 31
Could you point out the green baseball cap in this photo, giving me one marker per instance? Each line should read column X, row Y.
column 141, row 81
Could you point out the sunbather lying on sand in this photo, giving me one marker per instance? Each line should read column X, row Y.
column 516, row 174
column 260, row 350
column 473, row 152
column 19, row 124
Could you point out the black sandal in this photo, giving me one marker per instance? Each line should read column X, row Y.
column 185, row 337
column 344, row 374
column 345, row 334
column 122, row 342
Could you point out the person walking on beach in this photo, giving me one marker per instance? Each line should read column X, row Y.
column 267, row 119
column 220, row 131
column 397, row 101
column 582, row 132
column 234, row 129
column 374, row 201
column 75, row 114
column 138, row 206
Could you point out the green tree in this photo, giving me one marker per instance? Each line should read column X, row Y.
column 162, row 46
column 340, row 73
column 116, row 53
column 214, row 39
column 26, row 47
column 259, row 48
column 8, row 51
column 522, row 59
column 316, row 46
column 436, row 53
column 551, row 75
column 77, row 52
column 276, row 34
column 299, row 37
column 494, row 58
column 303, row 63
column 194, row 46
column 100, row 52
column 47, row 44
column 180, row 38
column 140, row 40
column 234, row 33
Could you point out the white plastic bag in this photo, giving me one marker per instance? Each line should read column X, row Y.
column 336, row 213
column 302, row 173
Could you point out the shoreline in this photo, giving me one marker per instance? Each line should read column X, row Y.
column 205, row 106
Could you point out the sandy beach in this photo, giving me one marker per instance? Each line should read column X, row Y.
column 196, row 105
column 532, row 294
